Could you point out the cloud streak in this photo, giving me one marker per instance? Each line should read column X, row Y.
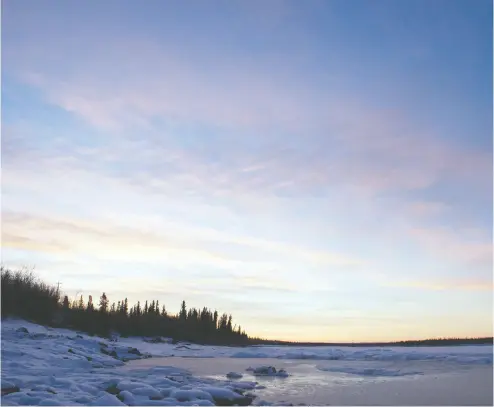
column 278, row 156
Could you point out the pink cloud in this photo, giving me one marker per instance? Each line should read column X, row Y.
column 463, row 245
column 447, row 285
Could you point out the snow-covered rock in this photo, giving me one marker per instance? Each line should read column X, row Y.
column 127, row 397
column 224, row 396
column 107, row 400
column 189, row 395
column 234, row 375
column 268, row 371
column 9, row 387
column 148, row 391
column 50, row 402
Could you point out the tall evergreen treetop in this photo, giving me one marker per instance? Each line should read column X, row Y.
column 103, row 303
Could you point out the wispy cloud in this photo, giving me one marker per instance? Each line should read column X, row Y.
column 470, row 246
column 447, row 285
column 105, row 239
column 263, row 150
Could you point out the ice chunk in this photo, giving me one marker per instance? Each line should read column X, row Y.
column 244, row 385
column 268, row 371
column 171, row 402
column 148, row 391
column 107, row 400
column 130, row 386
column 188, row 395
column 234, row 375
column 223, row 396
column 220, row 392
column 26, row 400
column 50, row 402
column 128, row 397
column 282, row 373
column 265, row 371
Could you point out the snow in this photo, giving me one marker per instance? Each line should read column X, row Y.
column 219, row 392
column 471, row 354
column 189, row 395
column 107, row 400
column 127, row 397
column 47, row 366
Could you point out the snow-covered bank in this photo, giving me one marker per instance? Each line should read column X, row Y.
column 469, row 354
column 45, row 366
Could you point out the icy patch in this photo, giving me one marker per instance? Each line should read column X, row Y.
column 369, row 371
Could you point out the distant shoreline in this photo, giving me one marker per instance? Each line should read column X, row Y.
column 414, row 343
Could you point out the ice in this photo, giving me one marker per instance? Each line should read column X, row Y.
column 222, row 393
column 369, row 371
column 472, row 354
column 264, row 403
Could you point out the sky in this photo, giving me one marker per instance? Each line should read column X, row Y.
column 322, row 170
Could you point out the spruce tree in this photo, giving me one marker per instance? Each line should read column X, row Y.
column 103, row 304
column 183, row 311
column 126, row 307
column 90, row 306
column 65, row 303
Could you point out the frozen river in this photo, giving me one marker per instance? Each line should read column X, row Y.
column 333, row 382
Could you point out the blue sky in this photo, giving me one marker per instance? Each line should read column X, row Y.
column 322, row 170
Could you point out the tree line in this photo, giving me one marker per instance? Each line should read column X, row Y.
column 25, row 296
